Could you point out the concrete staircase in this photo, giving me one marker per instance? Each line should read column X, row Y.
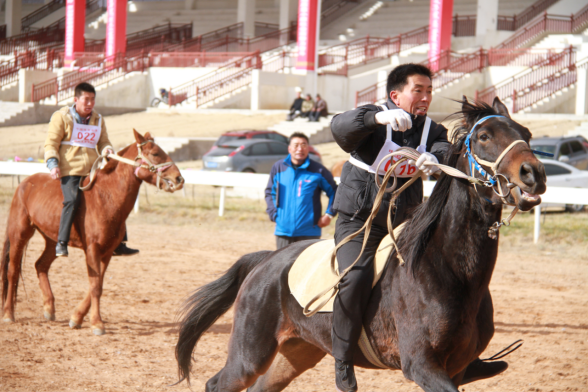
column 317, row 132
column 12, row 113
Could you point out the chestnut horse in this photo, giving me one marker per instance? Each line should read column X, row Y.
column 98, row 228
column 430, row 317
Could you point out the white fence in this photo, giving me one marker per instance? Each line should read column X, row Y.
column 553, row 195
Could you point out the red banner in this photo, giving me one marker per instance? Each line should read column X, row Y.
column 307, row 13
column 75, row 21
column 440, row 25
column 116, row 27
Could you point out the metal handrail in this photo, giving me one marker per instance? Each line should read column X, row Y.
column 217, row 83
column 41, row 12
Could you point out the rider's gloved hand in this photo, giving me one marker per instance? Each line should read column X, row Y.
column 107, row 150
column 429, row 158
column 397, row 118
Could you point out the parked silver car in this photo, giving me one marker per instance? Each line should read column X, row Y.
column 572, row 150
column 560, row 174
column 249, row 155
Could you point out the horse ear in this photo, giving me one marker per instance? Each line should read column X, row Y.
column 138, row 137
column 464, row 99
column 148, row 136
column 500, row 107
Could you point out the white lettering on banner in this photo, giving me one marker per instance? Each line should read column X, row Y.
column 435, row 29
column 111, row 28
column 85, row 135
column 69, row 28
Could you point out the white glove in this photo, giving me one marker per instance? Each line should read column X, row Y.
column 427, row 169
column 397, row 118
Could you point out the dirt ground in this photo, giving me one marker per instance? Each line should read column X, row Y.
column 540, row 295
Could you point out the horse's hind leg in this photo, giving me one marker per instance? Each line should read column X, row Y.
column 42, row 266
column 294, row 358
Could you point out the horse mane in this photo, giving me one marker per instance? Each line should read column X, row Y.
column 419, row 229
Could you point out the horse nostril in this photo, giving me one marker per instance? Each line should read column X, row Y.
column 179, row 179
column 527, row 174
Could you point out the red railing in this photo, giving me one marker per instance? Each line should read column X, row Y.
column 338, row 59
column 464, row 26
column 530, row 86
column 546, row 24
column 198, row 59
column 9, row 69
column 97, row 73
column 41, row 12
column 155, row 38
column 453, row 66
column 34, row 39
column 217, row 83
column 279, row 62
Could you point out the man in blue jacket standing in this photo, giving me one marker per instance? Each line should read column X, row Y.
column 293, row 194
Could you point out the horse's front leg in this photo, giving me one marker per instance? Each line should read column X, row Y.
column 96, row 269
column 420, row 365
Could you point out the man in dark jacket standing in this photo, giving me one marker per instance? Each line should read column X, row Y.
column 368, row 133
column 293, row 194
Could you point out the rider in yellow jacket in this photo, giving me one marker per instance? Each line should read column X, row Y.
column 76, row 134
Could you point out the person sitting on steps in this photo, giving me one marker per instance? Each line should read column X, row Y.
column 75, row 136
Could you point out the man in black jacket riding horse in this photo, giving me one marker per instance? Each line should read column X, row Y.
column 369, row 133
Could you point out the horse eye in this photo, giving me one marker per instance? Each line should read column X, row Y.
column 483, row 137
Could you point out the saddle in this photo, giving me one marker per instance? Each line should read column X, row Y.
column 311, row 274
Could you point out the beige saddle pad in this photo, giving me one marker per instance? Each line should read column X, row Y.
column 311, row 273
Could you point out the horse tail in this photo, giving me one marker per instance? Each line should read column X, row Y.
column 206, row 305
column 4, row 269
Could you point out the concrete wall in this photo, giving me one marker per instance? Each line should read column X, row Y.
column 28, row 77
column 131, row 92
column 274, row 90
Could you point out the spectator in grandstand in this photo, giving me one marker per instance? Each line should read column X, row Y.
column 307, row 106
column 293, row 194
column 77, row 134
column 319, row 110
column 296, row 107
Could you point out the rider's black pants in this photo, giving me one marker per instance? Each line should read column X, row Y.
column 356, row 286
column 70, row 187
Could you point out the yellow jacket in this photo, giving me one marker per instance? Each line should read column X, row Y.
column 73, row 160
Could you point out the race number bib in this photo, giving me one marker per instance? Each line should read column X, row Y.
column 85, row 135
column 403, row 171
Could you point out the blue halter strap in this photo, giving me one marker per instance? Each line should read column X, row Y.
column 472, row 161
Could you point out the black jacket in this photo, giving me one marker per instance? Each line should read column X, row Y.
column 357, row 133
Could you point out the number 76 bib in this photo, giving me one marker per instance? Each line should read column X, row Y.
column 85, row 135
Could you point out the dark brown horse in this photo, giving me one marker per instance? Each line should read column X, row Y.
column 430, row 317
column 98, row 227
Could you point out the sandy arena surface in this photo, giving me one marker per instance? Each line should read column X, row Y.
column 540, row 295
column 540, row 292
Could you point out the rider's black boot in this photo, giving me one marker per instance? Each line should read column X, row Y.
column 61, row 249
column 123, row 250
column 345, row 376
column 479, row 370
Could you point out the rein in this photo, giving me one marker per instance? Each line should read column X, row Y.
column 407, row 153
column 140, row 161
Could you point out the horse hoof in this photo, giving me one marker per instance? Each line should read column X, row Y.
column 49, row 316
column 98, row 331
column 74, row 325
column 7, row 320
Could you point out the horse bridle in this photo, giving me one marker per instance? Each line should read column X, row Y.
column 140, row 162
column 147, row 164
